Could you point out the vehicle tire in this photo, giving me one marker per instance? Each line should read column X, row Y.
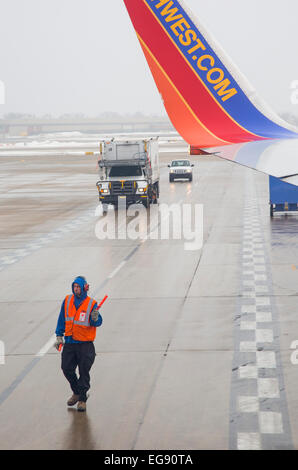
column 104, row 208
column 171, row 179
column 149, row 199
column 271, row 211
column 190, row 178
column 146, row 203
column 155, row 194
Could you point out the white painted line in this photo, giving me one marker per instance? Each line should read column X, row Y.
column 264, row 336
column 47, row 346
column 249, row 282
column 268, row 388
column 120, row 266
column 248, row 441
column 248, row 309
column 35, row 247
column 43, row 240
column 263, row 301
column 259, row 253
column 248, row 404
column 2, row 353
column 249, row 294
column 21, row 252
column 8, row 260
column 260, row 277
column 260, row 268
column 248, row 346
column 32, row 246
column 259, row 246
column 248, row 372
column 263, row 317
column 258, row 260
column 270, row 422
column 248, row 325
column 261, row 289
column 266, row 359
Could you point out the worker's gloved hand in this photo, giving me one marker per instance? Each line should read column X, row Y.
column 94, row 315
column 59, row 341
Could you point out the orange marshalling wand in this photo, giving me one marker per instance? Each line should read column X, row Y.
column 103, row 300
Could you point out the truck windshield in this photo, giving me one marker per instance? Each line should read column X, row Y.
column 181, row 163
column 123, row 170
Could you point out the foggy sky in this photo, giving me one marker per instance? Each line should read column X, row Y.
column 82, row 56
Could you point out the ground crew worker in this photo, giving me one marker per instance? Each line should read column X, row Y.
column 78, row 321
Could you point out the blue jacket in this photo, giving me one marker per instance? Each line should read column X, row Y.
column 60, row 330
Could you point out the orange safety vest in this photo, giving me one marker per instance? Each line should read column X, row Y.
column 77, row 321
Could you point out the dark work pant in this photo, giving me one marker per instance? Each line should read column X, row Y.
column 81, row 355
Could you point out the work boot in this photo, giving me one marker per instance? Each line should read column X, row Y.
column 73, row 400
column 81, row 406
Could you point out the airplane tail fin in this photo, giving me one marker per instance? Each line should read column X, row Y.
column 208, row 100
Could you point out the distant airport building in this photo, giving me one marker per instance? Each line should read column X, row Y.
column 35, row 126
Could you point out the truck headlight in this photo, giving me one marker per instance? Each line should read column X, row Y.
column 103, row 188
column 142, row 187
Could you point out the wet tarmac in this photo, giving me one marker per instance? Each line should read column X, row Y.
column 195, row 347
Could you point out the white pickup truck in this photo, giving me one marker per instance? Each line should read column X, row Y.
column 180, row 169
